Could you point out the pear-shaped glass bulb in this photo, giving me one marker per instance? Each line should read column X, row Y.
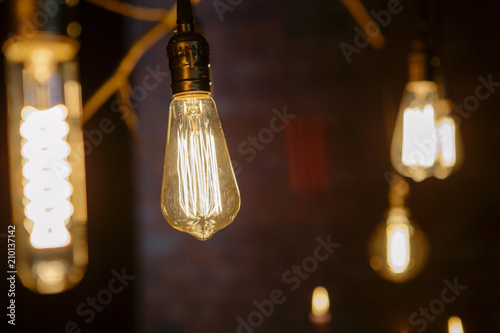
column 398, row 249
column 199, row 191
column 414, row 144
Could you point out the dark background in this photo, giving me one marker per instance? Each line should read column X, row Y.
column 270, row 55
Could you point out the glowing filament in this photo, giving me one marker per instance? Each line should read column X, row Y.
column 419, row 137
column 199, row 187
column 455, row 325
column 446, row 140
column 45, row 150
column 398, row 247
column 320, row 302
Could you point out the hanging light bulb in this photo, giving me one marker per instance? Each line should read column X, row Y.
column 320, row 315
column 199, row 191
column 398, row 249
column 450, row 149
column 47, row 170
column 414, row 144
column 320, row 302
column 455, row 325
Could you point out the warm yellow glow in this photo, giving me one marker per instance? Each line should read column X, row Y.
column 320, row 302
column 447, row 142
column 455, row 325
column 199, row 187
column 42, row 64
column 45, row 150
column 199, row 191
column 51, row 272
column 398, row 247
column 446, row 132
column 419, row 137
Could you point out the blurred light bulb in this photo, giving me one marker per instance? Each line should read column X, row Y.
column 47, row 162
column 455, row 325
column 398, row 245
column 450, row 150
column 414, row 144
column 199, row 192
column 320, row 302
column 398, row 249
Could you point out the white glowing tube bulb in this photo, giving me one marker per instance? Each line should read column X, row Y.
column 398, row 247
column 46, row 171
column 414, row 145
column 47, row 168
column 419, row 137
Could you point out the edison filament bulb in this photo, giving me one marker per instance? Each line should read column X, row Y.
column 47, row 169
column 398, row 249
column 414, row 147
column 199, row 193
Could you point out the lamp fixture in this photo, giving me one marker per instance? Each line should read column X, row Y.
column 199, row 193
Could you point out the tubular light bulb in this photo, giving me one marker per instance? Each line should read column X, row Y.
column 455, row 325
column 199, row 195
column 47, row 162
column 398, row 249
column 414, row 145
column 320, row 302
column 450, row 149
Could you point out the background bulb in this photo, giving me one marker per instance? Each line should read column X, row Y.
column 47, row 168
column 450, row 149
column 414, row 145
column 398, row 249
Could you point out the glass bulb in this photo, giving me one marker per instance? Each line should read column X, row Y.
column 455, row 325
column 450, row 150
column 47, row 163
column 398, row 249
column 320, row 302
column 199, row 191
column 414, row 144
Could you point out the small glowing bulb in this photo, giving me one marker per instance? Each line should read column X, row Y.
column 320, row 302
column 199, row 192
column 398, row 247
column 455, row 325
